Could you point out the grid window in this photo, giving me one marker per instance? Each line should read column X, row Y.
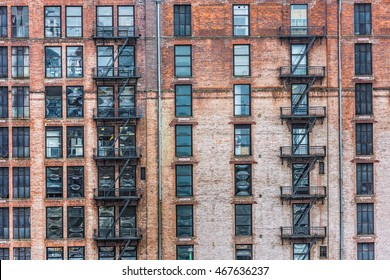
column 105, row 98
column 183, row 100
column 298, row 19
column 363, row 59
column 242, row 140
column 242, row 100
column 21, row 142
column 106, row 221
column 183, row 61
column 323, row 252
column 105, row 58
column 3, row 62
column 3, row 22
column 183, row 140
column 106, row 180
column 127, row 140
column 301, row 251
column 243, row 179
column 54, row 182
column 19, row 20
column 240, row 20
column 53, row 102
column 22, row 253
column 75, row 182
column 20, row 62
column 4, row 151
column 184, row 221
column 129, row 253
column 362, row 16
column 105, row 140
column 184, row 185
column 74, row 22
column 241, row 60
column 363, row 99
column 127, row 221
column 52, row 22
column 366, row 251
column 54, row 223
column 20, row 102
column 106, row 253
column 74, row 62
column 126, row 21
column 365, row 218
column 54, row 253
column 76, row 222
column 364, row 178
column 182, row 20
column 184, row 252
column 75, row 142
column 4, row 182
column 53, row 58
column 4, row 223
column 127, row 180
column 21, row 221
column 3, row 102
column 126, row 102
column 244, row 252
column 126, row 62
column 76, row 253
column 364, row 139
column 21, row 182
column 104, row 21
column 243, row 214
column 53, row 142
column 74, row 102
column 4, row 254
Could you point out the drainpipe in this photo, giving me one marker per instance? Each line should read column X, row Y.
column 159, row 144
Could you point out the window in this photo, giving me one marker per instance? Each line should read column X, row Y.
column 242, row 140
column 362, row 19
column 183, row 180
column 106, row 221
column 22, row 253
column 300, row 139
column 299, row 99
column 363, row 59
column 243, row 179
column 74, row 22
column 4, row 152
column 105, row 97
column 75, row 182
column 244, row 252
column 21, row 182
column 53, row 102
column 298, row 19
column 54, row 253
column 242, row 100
column 363, row 99
column 76, row 222
column 365, row 218
column 74, row 62
column 75, row 139
column 105, row 58
column 364, row 139
column 241, row 63
column 321, row 168
column 184, row 252
column 301, row 251
column 301, row 218
column 364, row 178
column 21, row 142
column 19, row 20
column 3, row 62
column 106, row 180
column 3, row 22
column 74, row 102
column 53, row 57
column 130, row 253
column 243, row 214
column 20, row 102
column 52, row 22
column 106, row 253
column 323, row 252
column 104, row 21
column 4, row 254
column 127, row 221
column 21, row 223
column 299, row 59
column 54, row 223
column 126, row 102
column 183, row 64
column 183, row 100
column 184, row 221
column 54, row 182
column 126, row 62
column 4, row 223
column 182, row 20
column 105, row 141
column 3, row 102
column 127, row 140
column 76, row 253
column 183, row 140
column 126, row 21
column 240, row 20
column 4, row 182
column 365, row 251
column 53, row 142
column 20, row 62
column 301, row 178
column 127, row 180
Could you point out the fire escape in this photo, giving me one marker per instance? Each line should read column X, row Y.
column 300, row 118
column 116, row 117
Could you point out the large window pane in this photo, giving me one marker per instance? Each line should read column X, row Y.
column 243, row 214
column 240, row 20
column 182, row 20
column 75, row 102
column 75, row 142
column 74, row 22
column 75, row 181
column 20, row 62
column 53, row 58
column 54, row 182
column 183, row 61
column 20, row 102
column 54, row 223
column 183, row 140
column 21, row 142
column 53, row 102
column 21, row 221
column 52, row 22
column 21, row 182
column 184, row 221
column 183, row 100
column 19, row 21
column 54, row 142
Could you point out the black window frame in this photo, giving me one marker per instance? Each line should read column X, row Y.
column 181, row 224
column 4, row 143
column 48, row 62
column 4, row 102
column 241, row 183
column 103, row 30
column 21, row 183
column 187, row 67
column 363, row 99
column 67, row 16
column 76, row 212
column 74, row 101
column 242, row 145
column 4, row 182
column 48, row 146
column 75, row 182
column 364, row 138
column 3, row 62
column 365, row 218
column 185, row 249
column 52, row 252
column 103, row 70
column 362, row 19
column 127, row 30
column 54, row 182
column 238, row 224
column 181, row 28
column 364, row 178
column 79, row 59
column 58, row 223
column 55, row 30
column 235, row 26
column 71, row 131
column 242, row 106
column 187, row 146
column 76, row 253
column 187, row 108
column 296, row 255
column 244, row 252
column 4, row 223
column 21, row 143
column 363, row 59
column 22, row 253
column 3, row 22
column 110, row 249
column 21, row 223
column 184, row 173
column 24, row 28
column 53, row 102
column 20, row 61
column 366, row 251
column 236, row 55
column 4, row 254
column 20, row 102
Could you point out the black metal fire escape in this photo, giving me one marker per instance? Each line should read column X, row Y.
column 121, row 156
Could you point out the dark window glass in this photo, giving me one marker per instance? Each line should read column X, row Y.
column 75, row 140
column 54, row 223
column 301, row 251
column 3, row 22
column 183, row 180
column 183, row 100
column 362, row 18
column 106, row 222
column 106, row 180
column 185, row 252
column 54, row 253
column 53, row 58
column 241, row 60
column 184, row 221
column 105, row 141
column 365, row 218
column 4, row 254
column 299, row 99
column 53, row 102
column 74, row 62
column 240, row 20
column 21, row 182
column 366, row 251
column 127, row 140
column 363, row 99
column 242, row 140
column 244, row 252
column 242, row 100
column 301, row 218
column 127, row 180
column 75, row 181
column 74, row 102
column 364, row 178
column 126, row 61
column 243, row 214
column 74, row 22
column 52, row 22
column 182, row 20
column 105, row 101
column 183, row 64
column 22, row 223
column 243, row 179
column 127, row 221
column 106, row 253
column 126, row 21
column 299, row 59
column 22, row 253
column 301, row 178
column 300, row 139
column 21, row 142
column 4, row 182
column 4, row 152
column 19, row 21
column 20, row 62
column 54, row 182
column 53, row 142
column 183, row 140
column 3, row 62
column 76, row 253
column 126, row 102
column 323, row 252
column 105, row 60
column 104, row 21
column 4, row 223
column 363, row 59
column 3, row 102
column 20, row 102
column 130, row 253
column 76, row 222
column 364, row 139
